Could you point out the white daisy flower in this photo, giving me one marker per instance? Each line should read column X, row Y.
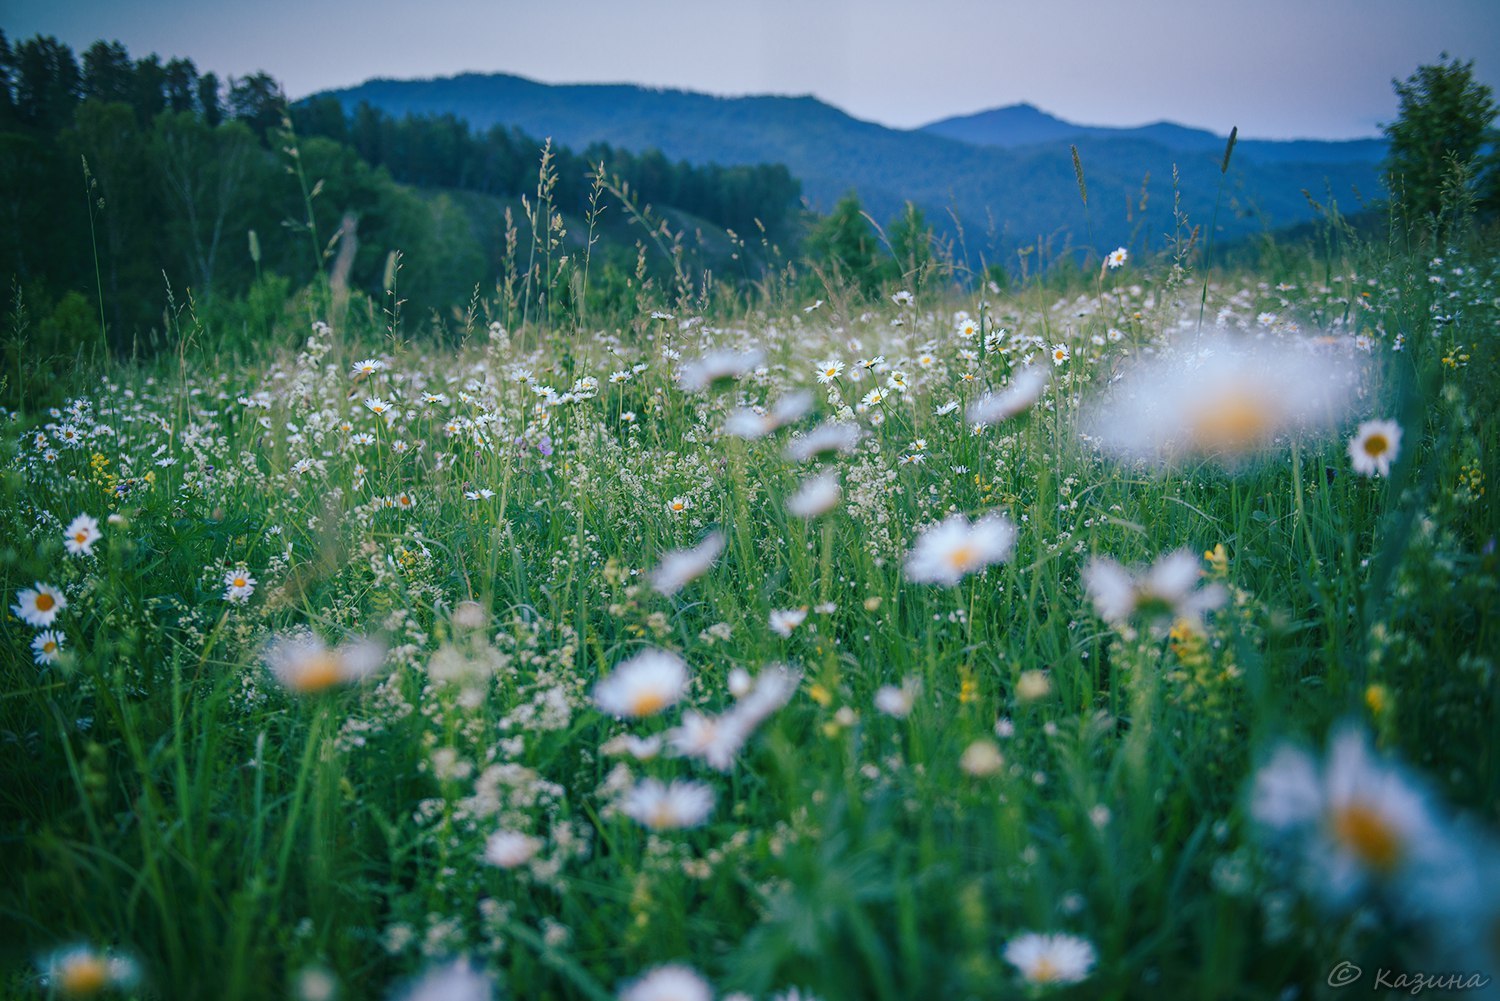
column 679, row 568
column 946, row 552
column 46, row 648
column 1374, row 447
column 644, row 685
column 238, row 586
column 81, row 534
column 815, row 496
column 673, row 982
column 1025, row 388
column 661, row 807
column 40, row 605
column 784, row 620
column 1051, row 959
column 1165, row 593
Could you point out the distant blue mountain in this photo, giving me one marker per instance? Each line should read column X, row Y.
column 1003, row 178
column 1026, row 125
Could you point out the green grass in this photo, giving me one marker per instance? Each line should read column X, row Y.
column 167, row 798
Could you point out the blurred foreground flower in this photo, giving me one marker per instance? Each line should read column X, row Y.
column 303, row 663
column 681, row 567
column 644, row 685
column 455, row 981
column 1051, row 959
column 663, row 807
column 80, row 971
column 1225, row 401
column 948, row 551
column 1164, row 594
column 673, row 982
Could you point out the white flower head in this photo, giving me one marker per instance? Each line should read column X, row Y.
column 947, row 552
column 1025, row 389
column 1374, row 447
column 719, row 367
column 661, row 807
column 510, row 849
column 81, row 534
column 1051, row 959
column 784, row 620
column 642, row 686
column 673, row 982
column 816, row 496
column 39, row 606
column 680, row 567
column 1161, row 595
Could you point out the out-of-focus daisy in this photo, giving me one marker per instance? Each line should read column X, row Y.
column 1165, row 593
column 784, row 620
column 682, row 566
column 903, row 298
column 663, row 807
column 1117, row 258
column 1356, row 823
column 1224, row 401
column 824, row 439
column 815, row 496
column 510, row 849
column 303, row 663
column 981, row 759
column 750, row 424
column 644, row 685
column 455, row 981
column 46, row 648
column 898, row 702
column 238, row 586
column 716, row 740
column 717, row 368
column 948, row 551
column 79, row 971
column 673, row 982
column 81, row 534
column 1051, row 959
column 816, row 305
column 1374, row 447
column 1025, row 388
column 39, row 606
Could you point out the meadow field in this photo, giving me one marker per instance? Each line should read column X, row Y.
column 1132, row 636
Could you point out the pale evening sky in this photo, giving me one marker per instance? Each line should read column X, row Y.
column 1275, row 68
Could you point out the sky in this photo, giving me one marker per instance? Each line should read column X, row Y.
column 1274, row 68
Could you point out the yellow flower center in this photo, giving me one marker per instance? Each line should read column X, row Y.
column 44, row 602
column 81, row 537
column 1231, row 424
column 1045, row 971
column 318, row 672
column 83, row 976
column 961, row 557
column 1362, row 830
column 241, row 582
column 1377, row 445
column 49, row 647
column 646, row 703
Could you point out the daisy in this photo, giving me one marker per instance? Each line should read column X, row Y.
column 661, row 807
column 1165, row 593
column 1021, row 395
column 873, row 398
column 677, row 505
column 784, row 620
column 824, row 439
column 679, row 568
column 238, row 586
column 509, row 849
column 377, row 406
column 1051, row 959
column 715, row 740
column 750, row 424
column 903, row 298
column 80, row 971
column 644, row 685
column 80, row 536
column 47, row 647
column 1374, row 447
column 1117, row 258
column 39, row 606
column 1354, row 823
column 367, row 367
column 362, row 438
column 830, row 370
column 898, row 702
column 717, row 368
column 303, row 663
column 1060, row 354
column 456, row 981
column 948, row 551
column 673, row 982
column 815, row 496
column 816, row 305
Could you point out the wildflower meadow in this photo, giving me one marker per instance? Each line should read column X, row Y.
column 1124, row 634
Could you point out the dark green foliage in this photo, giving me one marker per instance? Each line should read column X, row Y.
column 844, row 244
column 1444, row 127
